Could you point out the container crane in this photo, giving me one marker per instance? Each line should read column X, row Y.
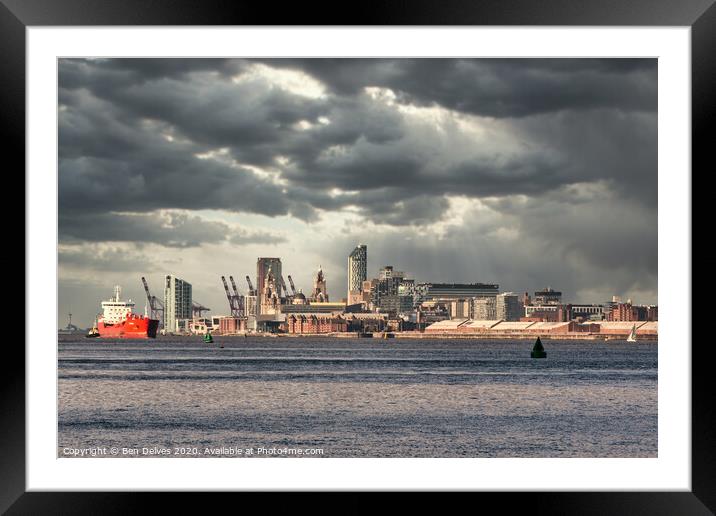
column 252, row 292
column 239, row 302
column 197, row 309
column 293, row 287
column 156, row 307
column 233, row 285
column 282, row 287
column 234, row 305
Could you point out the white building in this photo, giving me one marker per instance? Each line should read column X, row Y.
column 177, row 302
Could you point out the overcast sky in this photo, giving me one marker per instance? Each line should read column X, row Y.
column 522, row 172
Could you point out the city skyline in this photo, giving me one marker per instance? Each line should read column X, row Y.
column 521, row 172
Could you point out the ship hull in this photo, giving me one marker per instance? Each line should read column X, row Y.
column 133, row 327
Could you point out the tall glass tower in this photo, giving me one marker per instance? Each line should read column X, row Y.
column 357, row 271
column 177, row 302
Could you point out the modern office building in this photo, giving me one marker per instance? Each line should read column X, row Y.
column 177, row 302
column 357, row 273
column 390, row 291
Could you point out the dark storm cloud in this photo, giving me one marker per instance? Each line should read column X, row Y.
column 117, row 114
column 563, row 149
column 168, row 229
column 497, row 87
column 578, row 251
column 111, row 259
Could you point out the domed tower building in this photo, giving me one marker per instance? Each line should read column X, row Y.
column 270, row 300
column 320, row 293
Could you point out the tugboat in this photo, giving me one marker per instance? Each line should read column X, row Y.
column 538, row 350
column 93, row 332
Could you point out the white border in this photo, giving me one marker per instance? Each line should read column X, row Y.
column 670, row 471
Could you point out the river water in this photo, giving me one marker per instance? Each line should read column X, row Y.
column 281, row 397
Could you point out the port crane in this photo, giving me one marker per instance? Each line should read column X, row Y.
column 252, row 292
column 240, row 301
column 233, row 285
column 197, row 309
column 282, row 285
column 293, row 287
column 156, row 307
column 235, row 304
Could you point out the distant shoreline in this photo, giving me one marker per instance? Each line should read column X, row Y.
column 400, row 335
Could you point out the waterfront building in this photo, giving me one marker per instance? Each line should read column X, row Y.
column 390, row 292
column 270, row 301
column 459, row 308
column 526, row 299
column 548, row 296
column 317, row 307
column 315, row 323
column 251, row 305
column 262, row 267
column 484, row 308
column 623, row 312
column 588, row 312
column 320, row 292
column 428, row 291
column 388, row 272
column 508, row 307
column 177, row 302
column 231, row 325
column 406, row 295
column 548, row 313
column 299, row 298
column 357, row 273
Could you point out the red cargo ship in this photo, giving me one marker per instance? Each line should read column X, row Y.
column 119, row 322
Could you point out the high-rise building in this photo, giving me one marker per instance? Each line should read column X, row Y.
column 177, row 302
column 263, row 266
column 357, row 273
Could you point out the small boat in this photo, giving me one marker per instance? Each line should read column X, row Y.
column 632, row 334
column 208, row 338
column 538, row 350
column 93, row 333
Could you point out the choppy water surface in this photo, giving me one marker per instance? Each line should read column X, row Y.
column 358, row 397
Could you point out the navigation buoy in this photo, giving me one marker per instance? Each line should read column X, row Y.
column 538, row 350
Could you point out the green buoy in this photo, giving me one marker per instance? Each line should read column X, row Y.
column 538, row 350
column 208, row 338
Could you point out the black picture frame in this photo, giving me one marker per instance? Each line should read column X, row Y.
column 17, row 15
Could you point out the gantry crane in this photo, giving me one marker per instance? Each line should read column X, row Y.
column 234, row 304
column 282, row 288
column 197, row 309
column 156, row 307
column 252, row 292
column 293, row 287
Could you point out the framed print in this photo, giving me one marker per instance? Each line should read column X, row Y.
column 457, row 216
